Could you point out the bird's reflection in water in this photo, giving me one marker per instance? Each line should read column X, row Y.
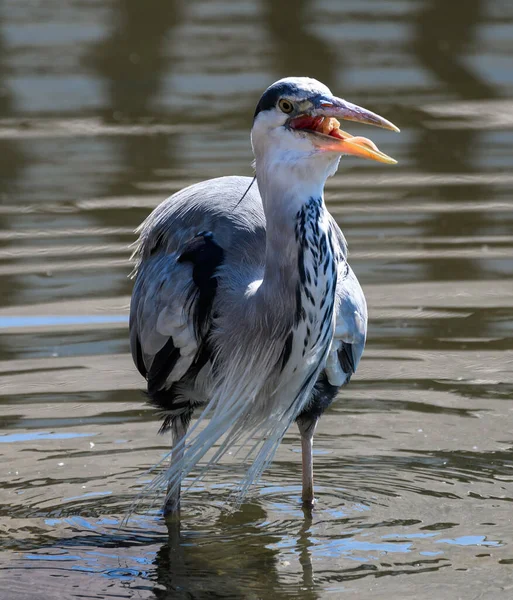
column 304, row 544
column 238, row 559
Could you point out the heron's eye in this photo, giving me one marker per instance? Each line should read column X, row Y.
column 286, row 106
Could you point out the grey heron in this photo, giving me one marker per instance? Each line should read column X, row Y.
column 244, row 304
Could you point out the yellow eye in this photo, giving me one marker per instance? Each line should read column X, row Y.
column 286, row 106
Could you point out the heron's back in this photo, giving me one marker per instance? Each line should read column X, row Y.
column 214, row 205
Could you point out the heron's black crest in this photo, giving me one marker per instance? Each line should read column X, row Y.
column 206, row 256
column 272, row 94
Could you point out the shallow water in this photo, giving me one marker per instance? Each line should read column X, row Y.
column 105, row 109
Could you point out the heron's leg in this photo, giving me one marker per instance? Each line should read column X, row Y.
column 308, row 486
column 178, row 431
column 307, row 429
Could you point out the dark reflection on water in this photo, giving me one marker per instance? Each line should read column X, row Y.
column 414, row 463
column 186, row 568
column 444, row 33
column 12, row 163
column 293, row 42
column 131, row 62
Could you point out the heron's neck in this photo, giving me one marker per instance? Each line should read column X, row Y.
column 296, row 217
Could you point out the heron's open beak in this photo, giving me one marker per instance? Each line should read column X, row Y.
column 323, row 122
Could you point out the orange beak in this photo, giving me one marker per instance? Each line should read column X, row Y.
column 323, row 123
column 344, row 143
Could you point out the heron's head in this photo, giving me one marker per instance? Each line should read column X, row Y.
column 297, row 121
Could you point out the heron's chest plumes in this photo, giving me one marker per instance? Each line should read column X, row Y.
column 315, row 286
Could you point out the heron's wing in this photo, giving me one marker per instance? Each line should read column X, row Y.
column 176, row 268
column 170, row 309
column 228, row 207
column 350, row 327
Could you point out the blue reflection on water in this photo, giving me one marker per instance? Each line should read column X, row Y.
column 52, row 557
column 41, row 435
column 469, row 540
column 344, row 547
column 408, row 536
column 349, row 546
column 94, row 560
column 45, row 320
column 87, row 495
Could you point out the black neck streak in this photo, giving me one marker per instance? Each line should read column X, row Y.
column 315, row 262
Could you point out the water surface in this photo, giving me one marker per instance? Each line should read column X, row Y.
column 106, row 109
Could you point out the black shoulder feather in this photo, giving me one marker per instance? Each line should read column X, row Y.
column 206, row 257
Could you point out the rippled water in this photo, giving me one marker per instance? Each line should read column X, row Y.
column 107, row 108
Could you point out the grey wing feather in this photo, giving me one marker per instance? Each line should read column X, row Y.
column 213, row 206
column 163, row 337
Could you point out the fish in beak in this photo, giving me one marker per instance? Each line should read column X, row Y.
column 322, row 122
